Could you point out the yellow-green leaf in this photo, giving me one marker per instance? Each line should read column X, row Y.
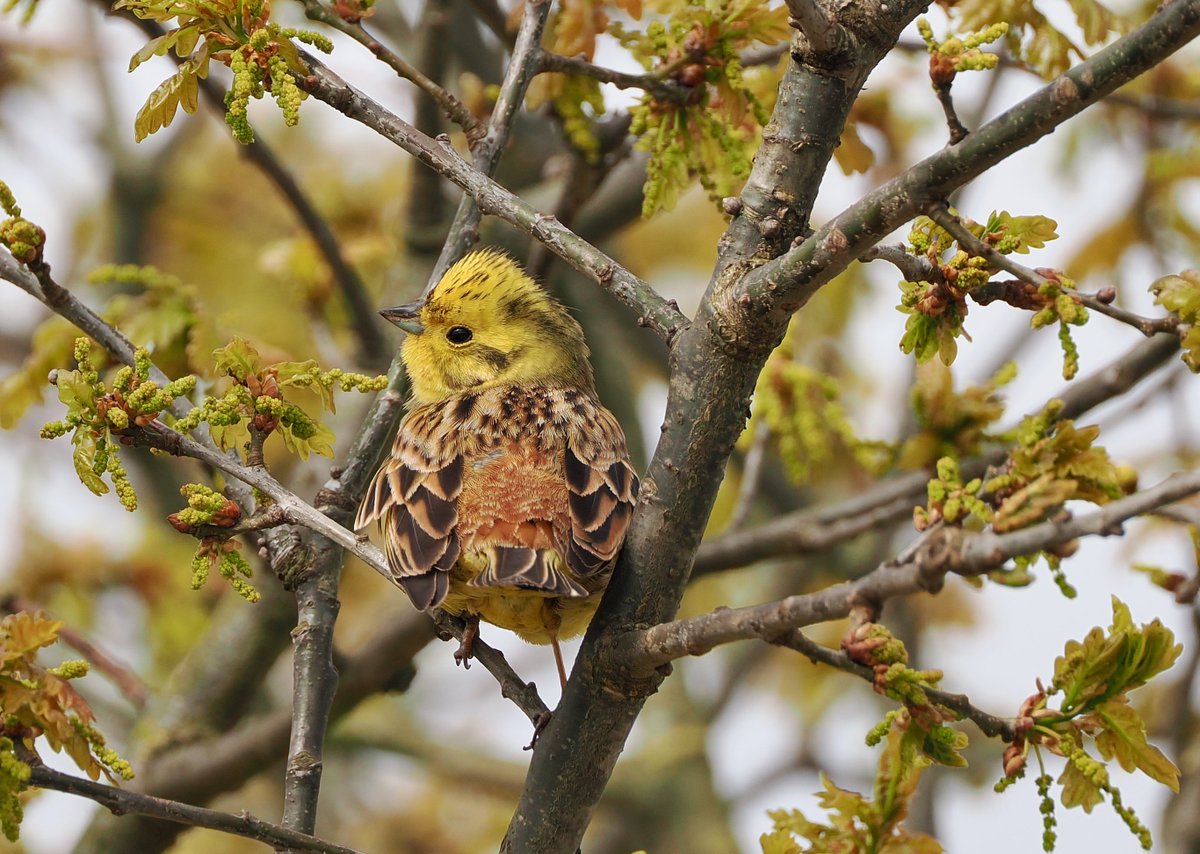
column 1078, row 790
column 1124, row 737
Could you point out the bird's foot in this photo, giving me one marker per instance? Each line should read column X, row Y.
column 538, row 726
column 466, row 647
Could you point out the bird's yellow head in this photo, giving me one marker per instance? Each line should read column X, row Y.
column 487, row 323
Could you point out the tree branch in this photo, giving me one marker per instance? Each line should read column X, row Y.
column 815, row 529
column 950, row 550
column 940, row 213
column 657, row 313
column 713, row 373
column 990, row 725
column 795, row 276
column 124, row 802
column 659, row 88
column 523, row 694
column 455, row 109
column 828, row 39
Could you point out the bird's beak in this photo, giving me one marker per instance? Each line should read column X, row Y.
column 407, row 316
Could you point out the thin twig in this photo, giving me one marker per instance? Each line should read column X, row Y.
column 653, row 84
column 512, row 687
column 990, row 725
column 914, row 268
column 942, row 81
column 124, row 802
column 1148, row 326
column 455, row 109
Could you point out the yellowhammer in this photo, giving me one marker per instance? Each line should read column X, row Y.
column 508, row 490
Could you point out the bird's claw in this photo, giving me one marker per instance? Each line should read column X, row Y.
column 466, row 647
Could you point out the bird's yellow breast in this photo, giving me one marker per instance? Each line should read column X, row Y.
column 533, row 616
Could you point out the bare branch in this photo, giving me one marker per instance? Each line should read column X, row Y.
column 659, row 314
column 914, row 268
column 1148, row 326
column 653, row 84
column 512, row 687
column 124, row 802
column 990, row 725
column 953, row 550
column 941, row 75
column 455, row 109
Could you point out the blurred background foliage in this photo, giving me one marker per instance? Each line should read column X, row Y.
column 429, row 760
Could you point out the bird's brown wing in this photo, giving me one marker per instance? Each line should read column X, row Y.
column 413, row 497
column 602, row 489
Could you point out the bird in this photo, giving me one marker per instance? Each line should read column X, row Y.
column 508, row 490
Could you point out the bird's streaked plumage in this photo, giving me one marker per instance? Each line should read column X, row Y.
column 508, row 490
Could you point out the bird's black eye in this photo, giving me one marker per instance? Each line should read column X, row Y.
column 459, row 335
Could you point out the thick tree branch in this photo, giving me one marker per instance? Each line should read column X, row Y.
column 827, row 39
column 124, row 802
column 712, row 377
column 950, row 550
